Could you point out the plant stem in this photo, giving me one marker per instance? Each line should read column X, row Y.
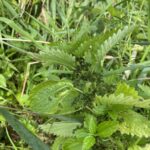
column 15, row 148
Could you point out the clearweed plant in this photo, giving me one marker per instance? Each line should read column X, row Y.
column 74, row 75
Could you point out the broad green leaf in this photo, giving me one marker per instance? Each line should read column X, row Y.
column 72, row 144
column 134, row 124
column 107, row 128
column 88, row 142
column 63, row 129
column 50, row 96
column 29, row 138
column 90, row 123
column 81, row 133
column 57, row 145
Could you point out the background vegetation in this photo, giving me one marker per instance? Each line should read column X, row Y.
column 74, row 75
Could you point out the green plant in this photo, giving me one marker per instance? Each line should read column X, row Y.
column 122, row 118
column 75, row 74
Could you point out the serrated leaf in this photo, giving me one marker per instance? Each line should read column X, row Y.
column 91, row 47
column 123, row 88
column 134, row 124
column 49, row 96
column 107, row 128
column 113, row 40
column 55, row 56
column 106, row 46
column 90, row 123
column 88, row 142
column 120, row 101
column 63, row 129
column 29, row 138
column 89, row 44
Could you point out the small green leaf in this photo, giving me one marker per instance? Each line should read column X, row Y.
column 107, row 128
column 90, row 123
column 88, row 142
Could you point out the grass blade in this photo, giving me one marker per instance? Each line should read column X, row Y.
column 29, row 138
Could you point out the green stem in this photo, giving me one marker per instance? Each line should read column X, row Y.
column 15, row 148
